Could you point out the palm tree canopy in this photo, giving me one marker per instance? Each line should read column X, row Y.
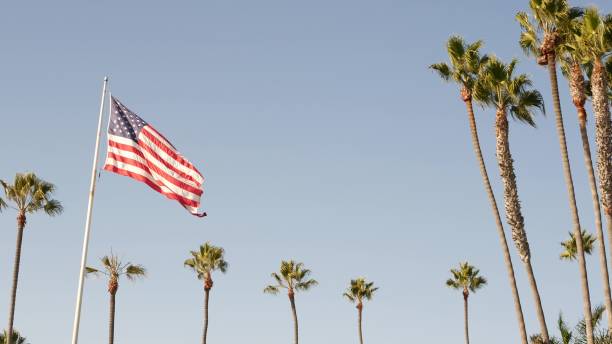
column 360, row 289
column 466, row 277
column 292, row 276
column 569, row 246
column 207, row 259
column 548, row 27
column 465, row 62
column 29, row 194
column 593, row 36
column 113, row 267
column 498, row 87
column 16, row 338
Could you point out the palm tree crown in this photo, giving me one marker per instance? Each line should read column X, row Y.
column 207, row 259
column 114, row 268
column 500, row 88
column 360, row 290
column 549, row 28
column 293, row 277
column 465, row 64
column 16, row 338
column 569, row 246
column 29, row 194
column 466, row 278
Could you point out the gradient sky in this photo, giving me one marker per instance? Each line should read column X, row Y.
column 323, row 137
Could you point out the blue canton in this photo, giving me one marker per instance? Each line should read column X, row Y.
column 124, row 122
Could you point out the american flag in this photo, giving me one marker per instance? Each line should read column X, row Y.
column 138, row 151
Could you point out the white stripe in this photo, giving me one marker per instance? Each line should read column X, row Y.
column 150, row 159
column 167, row 157
column 156, row 178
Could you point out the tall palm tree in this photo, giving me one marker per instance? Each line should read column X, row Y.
column 16, row 338
column 293, row 277
column 570, row 57
column 569, row 245
column 113, row 268
column 594, row 42
column 465, row 65
column 358, row 291
column 541, row 37
column 27, row 195
column 466, row 279
column 203, row 262
column 509, row 94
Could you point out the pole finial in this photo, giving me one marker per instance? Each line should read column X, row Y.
column 105, row 78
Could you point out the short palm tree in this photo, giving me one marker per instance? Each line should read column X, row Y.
column 466, row 279
column 27, row 195
column 511, row 95
column 293, row 277
column 16, row 338
column 113, row 268
column 203, row 262
column 465, row 66
column 359, row 291
column 569, row 245
column 550, row 27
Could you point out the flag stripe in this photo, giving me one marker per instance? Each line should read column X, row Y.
column 153, row 138
column 142, row 178
column 149, row 155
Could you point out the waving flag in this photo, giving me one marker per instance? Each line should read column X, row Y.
column 138, row 151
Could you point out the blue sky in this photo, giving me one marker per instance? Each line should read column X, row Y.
column 323, row 137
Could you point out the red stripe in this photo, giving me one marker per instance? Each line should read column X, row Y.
column 138, row 152
column 171, row 152
column 157, row 170
column 151, row 184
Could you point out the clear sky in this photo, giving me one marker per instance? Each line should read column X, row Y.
column 323, row 137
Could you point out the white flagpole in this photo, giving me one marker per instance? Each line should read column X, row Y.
column 92, row 187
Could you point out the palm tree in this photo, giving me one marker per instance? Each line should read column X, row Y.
column 593, row 42
column 569, row 245
column 499, row 88
column 466, row 279
column 203, row 262
column 27, row 195
column 114, row 268
column 466, row 64
column 16, row 338
column 293, row 277
column 541, row 37
column 570, row 53
column 358, row 291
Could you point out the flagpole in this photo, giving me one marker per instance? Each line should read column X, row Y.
column 92, row 187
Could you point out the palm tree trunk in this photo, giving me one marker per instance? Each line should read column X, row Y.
column 111, row 321
column 579, row 98
column 465, row 317
column 360, row 320
column 500, row 227
column 295, row 319
column 514, row 215
column 206, row 296
column 21, row 221
column 586, row 298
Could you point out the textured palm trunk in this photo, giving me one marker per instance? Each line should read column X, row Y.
column 603, row 139
column 584, row 283
column 21, row 222
column 295, row 318
column 513, row 211
column 579, row 98
column 111, row 321
column 360, row 321
column 499, row 225
column 205, row 332
column 465, row 317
